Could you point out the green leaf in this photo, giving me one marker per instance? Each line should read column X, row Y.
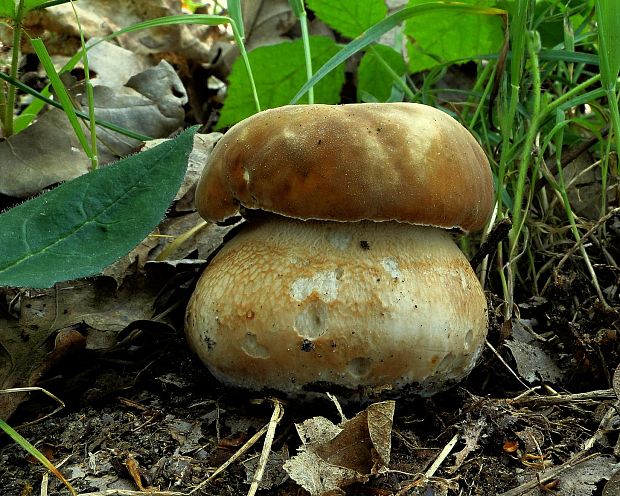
column 349, row 17
column 446, row 36
column 8, row 8
column 373, row 78
column 84, row 225
column 279, row 70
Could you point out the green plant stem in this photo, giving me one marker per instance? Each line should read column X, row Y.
column 246, row 61
column 557, row 102
column 94, row 160
column 517, row 214
column 303, row 22
column 612, row 98
column 10, row 97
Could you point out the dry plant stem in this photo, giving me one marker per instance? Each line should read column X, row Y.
column 125, row 492
column 603, row 428
column 276, row 416
column 441, row 456
column 60, row 406
column 580, row 242
column 233, row 458
column 10, row 97
column 179, row 240
column 550, row 474
column 598, row 395
column 507, row 366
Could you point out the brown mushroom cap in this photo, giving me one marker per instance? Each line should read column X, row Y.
column 400, row 161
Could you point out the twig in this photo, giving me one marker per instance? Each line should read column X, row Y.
column 497, row 235
column 276, row 416
column 441, row 456
column 600, row 394
column 549, row 474
column 603, row 427
column 125, row 492
column 233, row 458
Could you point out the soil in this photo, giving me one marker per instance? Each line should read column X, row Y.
column 147, row 414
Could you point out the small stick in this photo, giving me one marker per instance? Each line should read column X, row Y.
column 276, row 416
column 233, row 458
column 441, row 456
column 497, row 235
column 125, row 492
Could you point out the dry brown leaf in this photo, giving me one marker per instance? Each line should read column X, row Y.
column 333, row 457
column 203, row 145
column 102, row 17
column 45, row 153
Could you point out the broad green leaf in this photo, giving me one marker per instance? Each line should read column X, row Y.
column 446, row 36
column 349, row 17
column 279, row 70
column 373, row 78
column 82, row 226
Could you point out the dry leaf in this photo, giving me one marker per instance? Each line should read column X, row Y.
column 532, row 362
column 99, row 18
column 471, row 436
column 45, row 153
column 333, row 457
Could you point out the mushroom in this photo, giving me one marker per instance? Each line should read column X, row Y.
column 348, row 279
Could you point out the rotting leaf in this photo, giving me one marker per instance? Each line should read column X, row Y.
column 41, row 331
column 333, row 457
column 45, row 153
column 612, row 488
column 532, row 362
column 471, row 435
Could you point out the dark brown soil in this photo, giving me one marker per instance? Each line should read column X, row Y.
column 149, row 407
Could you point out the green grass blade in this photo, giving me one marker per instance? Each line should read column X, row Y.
column 34, row 452
column 61, row 92
column 566, row 56
column 608, row 22
column 234, row 11
column 375, row 32
column 300, row 12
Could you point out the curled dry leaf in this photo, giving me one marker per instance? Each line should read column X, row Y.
column 131, row 92
column 333, row 457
